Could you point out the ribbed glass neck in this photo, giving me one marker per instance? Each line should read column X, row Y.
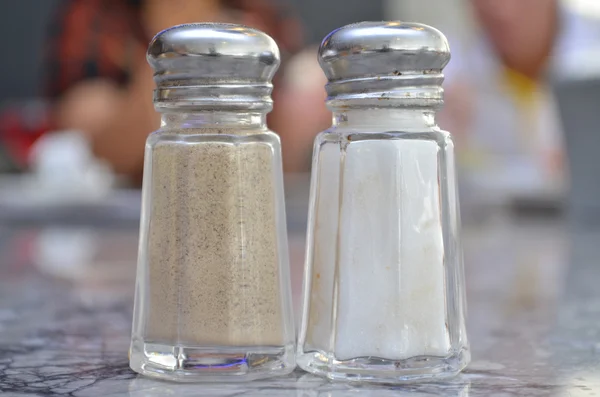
column 211, row 119
column 374, row 119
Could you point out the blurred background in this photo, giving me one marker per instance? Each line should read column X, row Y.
column 522, row 101
column 522, row 97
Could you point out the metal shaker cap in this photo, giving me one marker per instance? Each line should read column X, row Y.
column 382, row 61
column 213, row 65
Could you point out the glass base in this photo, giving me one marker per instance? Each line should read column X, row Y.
column 379, row 370
column 210, row 363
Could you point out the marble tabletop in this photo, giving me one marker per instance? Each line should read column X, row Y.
column 533, row 301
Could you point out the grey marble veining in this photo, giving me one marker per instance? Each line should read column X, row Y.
column 533, row 300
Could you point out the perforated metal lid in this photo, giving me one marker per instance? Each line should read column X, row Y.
column 213, row 64
column 385, row 60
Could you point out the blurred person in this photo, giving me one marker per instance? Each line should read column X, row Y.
column 498, row 102
column 301, row 110
column 101, row 85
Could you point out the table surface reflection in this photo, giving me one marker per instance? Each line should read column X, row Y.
column 534, row 315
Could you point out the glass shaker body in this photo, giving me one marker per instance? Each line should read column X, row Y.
column 213, row 296
column 383, row 284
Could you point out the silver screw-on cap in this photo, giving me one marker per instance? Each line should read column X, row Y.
column 213, row 65
column 385, row 60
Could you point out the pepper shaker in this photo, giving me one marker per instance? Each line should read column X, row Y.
column 384, row 285
column 213, row 296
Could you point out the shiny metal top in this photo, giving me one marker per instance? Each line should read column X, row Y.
column 213, row 65
column 385, row 60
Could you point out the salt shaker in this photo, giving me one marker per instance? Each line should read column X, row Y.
column 213, row 296
column 384, row 285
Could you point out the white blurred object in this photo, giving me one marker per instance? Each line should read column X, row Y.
column 583, row 64
column 589, row 8
column 577, row 51
column 64, row 166
column 64, row 253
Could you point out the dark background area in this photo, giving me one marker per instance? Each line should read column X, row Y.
column 23, row 24
column 318, row 22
